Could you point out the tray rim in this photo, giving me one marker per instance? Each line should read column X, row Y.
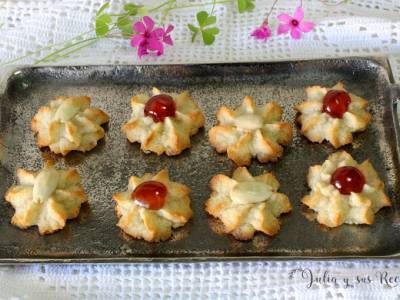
column 203, row 259
column 393, row 92
column 10, row 70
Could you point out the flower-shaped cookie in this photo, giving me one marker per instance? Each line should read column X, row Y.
column 251, row 131
column 46, row 198
column 152, row 206
column 332, row 115
column 69, row 123
column 163, row 122
column 343, row 191
column 246, row 204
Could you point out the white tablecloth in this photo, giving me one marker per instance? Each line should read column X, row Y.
column 360, row 28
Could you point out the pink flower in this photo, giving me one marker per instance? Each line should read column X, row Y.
column 166, row 37
column 295, row 24
column 149, row 39
column 262, row 33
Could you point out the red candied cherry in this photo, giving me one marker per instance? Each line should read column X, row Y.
column 348, row 180
column 150, row 194
column 336, row 103
column 159, row 107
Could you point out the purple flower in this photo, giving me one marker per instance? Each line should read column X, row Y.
column 262, row 33
column 150, row 39
column 295, row 24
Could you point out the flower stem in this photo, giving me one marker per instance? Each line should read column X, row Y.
column 45, row 48
column 55, row 53
column 166, row 11
column 64, row 55
column 270, row 12
column 334, row 4
column 161, row 5
column 213, row 8
column 203, row 4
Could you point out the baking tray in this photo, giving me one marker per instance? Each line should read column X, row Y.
column 94, row 237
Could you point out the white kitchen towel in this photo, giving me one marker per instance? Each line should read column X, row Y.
column 356, row 280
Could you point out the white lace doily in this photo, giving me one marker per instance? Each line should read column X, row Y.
column 360, row 28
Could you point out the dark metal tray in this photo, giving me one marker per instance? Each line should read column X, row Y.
column 105, row 170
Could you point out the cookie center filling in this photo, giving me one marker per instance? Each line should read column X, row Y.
column 336, row 103
column 45, row 184
column 348, row 180
column 66, row 111
column 160, row 107
column 150, row 194
column 250, row 192
column 249, row 122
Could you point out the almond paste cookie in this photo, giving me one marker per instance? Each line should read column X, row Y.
column 332, row 114
column 250, row 131
column 246, row 204
column 152, row 206
column 343, row 191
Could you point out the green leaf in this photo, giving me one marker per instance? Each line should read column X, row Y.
column 209, row 35
column 103, row 8
column 245, row 5
column 208, row 39
column 102, row 25
column 125, row 25
column 210, row 20
column 194, row 35
column 193, row 28
column 212, row 30
column 123, row 21
column 104, row 18
column 131, row 9
column 202, row 17
column 205, row 20
column 103, row 21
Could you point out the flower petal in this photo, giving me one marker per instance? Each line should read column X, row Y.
column 137, row 39
column 299, row 14
column 262, row 33
column 169, row 28
column 306, row 26
column 283, row 28
column 155, row 45
column 157, row 33
column 285, row 18
column 142, row 51
column 168, row 40
column 258, row 34
column 139, row 27
column 267, row 31
column 149, row 23
column 295, row 33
